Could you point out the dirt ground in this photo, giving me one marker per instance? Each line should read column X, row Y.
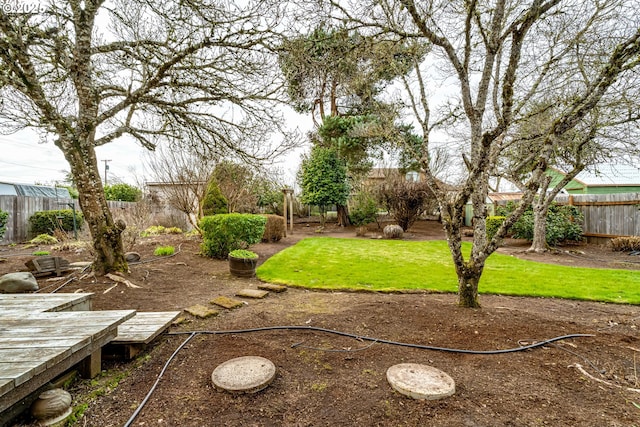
column 329, row 380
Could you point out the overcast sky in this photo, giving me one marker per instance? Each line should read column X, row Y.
column 24, row 160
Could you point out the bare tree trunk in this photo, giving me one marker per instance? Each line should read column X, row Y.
column 107, row 243
column 343, row 215
column 539, row 242
column 468, row 287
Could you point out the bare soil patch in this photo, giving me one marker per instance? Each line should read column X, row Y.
column 329, row 380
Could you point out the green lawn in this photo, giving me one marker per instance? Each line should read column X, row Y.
column 393, row 265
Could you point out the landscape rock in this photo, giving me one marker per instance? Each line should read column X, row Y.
column 132, row 256
column 16, row 283
column 393, row 232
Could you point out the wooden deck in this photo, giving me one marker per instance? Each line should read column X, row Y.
column 143, row 328
column 40, row 339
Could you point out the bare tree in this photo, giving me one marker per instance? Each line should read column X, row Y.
column 183, row 177
column 195, row 71
column 495, row 59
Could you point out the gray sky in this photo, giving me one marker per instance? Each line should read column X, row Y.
column 26, row 161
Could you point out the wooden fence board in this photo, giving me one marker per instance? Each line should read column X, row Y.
column 607, row 215
column 20, row 209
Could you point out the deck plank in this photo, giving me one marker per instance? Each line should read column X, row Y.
column 37, row 346
column 144, row 327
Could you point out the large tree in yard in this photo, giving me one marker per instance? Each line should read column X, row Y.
column 323, row 179
column 85, row 73
column 491, row 61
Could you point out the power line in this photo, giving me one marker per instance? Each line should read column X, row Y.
column 29, row 166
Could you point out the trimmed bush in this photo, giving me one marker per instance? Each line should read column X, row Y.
column 274, row 228
column 4, row 216
column 625, row 244
column 46, row 222
column 224, row 233
column 493, row 223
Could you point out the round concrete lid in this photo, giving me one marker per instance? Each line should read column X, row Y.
column 247, row 374
column 420, row 381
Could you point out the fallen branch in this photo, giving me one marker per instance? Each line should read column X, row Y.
column 588, row 375
column 122, row 280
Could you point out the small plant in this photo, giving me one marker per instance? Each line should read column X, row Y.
column 41, row 253
column 243, row 253
column 154, row 230
column 43, row 239
column 173, row 230
column 164, row 251
column 625, row 244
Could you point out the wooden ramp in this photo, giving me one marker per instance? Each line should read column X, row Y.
column 140, row 330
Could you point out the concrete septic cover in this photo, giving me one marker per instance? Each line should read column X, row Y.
column 247, row 374
column 420, row 381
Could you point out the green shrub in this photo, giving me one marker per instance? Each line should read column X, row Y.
column 46, row 222
column 41, row 253
column 43, row 239
column 274, row 228
column 122, row 192
column 364, row 210
column 214, row 201
column 493, row 223
column 243, row 253
column 224, row 233
column 4, row 216
column 625, row 244
column 164, row 251
column 564, row 223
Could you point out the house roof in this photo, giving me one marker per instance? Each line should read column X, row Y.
column 609, row 174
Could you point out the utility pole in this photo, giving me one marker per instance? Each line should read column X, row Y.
column 106, row 168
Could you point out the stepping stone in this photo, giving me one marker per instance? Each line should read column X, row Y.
column 247, row 374
column 252, row 293
column 201, row 311
column 272, row 287
column 227, row 302
column 420, row 381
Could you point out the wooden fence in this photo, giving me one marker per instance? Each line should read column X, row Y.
column 607, row 215
column 20, row 208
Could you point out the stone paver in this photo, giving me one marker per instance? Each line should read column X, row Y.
column 252, row 293
column 226, row 302
column 272, row 287
column 201, row 311
column 420, row 381
column 247, row 374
